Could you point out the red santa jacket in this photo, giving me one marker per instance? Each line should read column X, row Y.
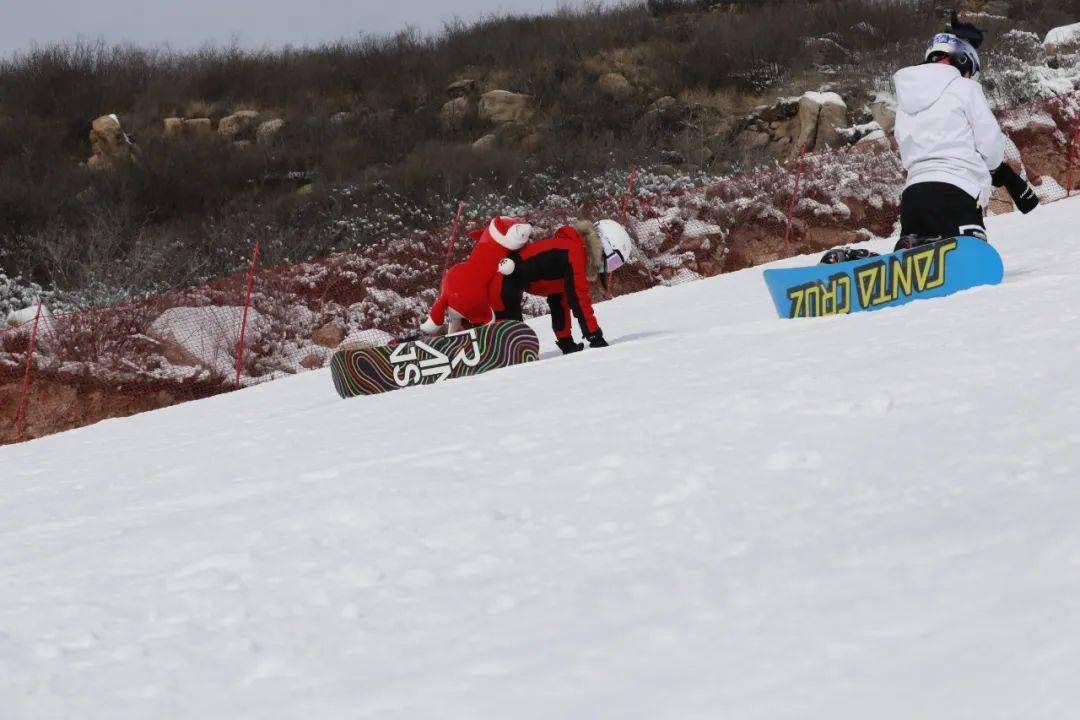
column 464, row 289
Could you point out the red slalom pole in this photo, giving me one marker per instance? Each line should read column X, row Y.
column 794, row 199
column 453, row 237
column 244, row 317
column 629, row 193
column 1072, row 160
column 24, row 395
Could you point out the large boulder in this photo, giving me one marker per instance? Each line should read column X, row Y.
column 109, row 143
column 240, row 125
column 752, row 139
column 205, row 336
column 21, row 321
column 269, row 130
column 486, row 143
column 821, row 115
column 462, row 87
column 173, row 128
column 615, row 85
column 665, row 112
column 329, row 335
column 176, row 128
column 500, row 107
column 455, row 113
column 1062, row 44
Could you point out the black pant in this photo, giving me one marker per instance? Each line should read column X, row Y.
column 935, row 209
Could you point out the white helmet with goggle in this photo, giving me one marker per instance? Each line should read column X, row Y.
column 959, row 51
column 616, row 244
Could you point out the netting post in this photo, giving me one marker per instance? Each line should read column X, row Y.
column 244, row 316
column 24, row 395
column 1072, row 159
column 453, row 237
column 629, row 193
column 794, row 199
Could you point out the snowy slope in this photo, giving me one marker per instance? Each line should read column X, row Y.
column 724, row 515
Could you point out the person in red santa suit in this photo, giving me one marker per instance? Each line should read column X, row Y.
column 561, row 268
column 464, row 295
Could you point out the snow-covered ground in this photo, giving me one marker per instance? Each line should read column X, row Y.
column 723, row 515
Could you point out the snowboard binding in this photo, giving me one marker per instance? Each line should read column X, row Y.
column 845, row 254
column 907, row 242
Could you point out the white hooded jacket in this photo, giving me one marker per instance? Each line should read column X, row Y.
column 945, row 129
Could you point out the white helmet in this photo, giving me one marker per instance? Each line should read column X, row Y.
column 959, row 51
column 616, row 244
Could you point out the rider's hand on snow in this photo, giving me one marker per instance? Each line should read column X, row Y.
column 428, row 327
column 1020, row 190
column 567, row 345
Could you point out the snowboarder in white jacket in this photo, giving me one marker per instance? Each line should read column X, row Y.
column 950, row 142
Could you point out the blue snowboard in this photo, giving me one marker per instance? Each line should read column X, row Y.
column 928, row 271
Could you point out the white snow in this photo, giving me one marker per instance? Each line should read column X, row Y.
column 723, row 515
column 824, row 98
column 1064, row 35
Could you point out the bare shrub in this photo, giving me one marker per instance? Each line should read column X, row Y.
column 362, row 133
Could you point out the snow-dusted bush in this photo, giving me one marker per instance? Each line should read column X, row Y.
column 1016, row 71
column 16, row 294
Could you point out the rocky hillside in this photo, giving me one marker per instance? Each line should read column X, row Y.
column 127, row 170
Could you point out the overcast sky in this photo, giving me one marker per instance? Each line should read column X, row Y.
column 190, row 23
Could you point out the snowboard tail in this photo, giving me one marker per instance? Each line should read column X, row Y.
column 369, row 371
column 927, row 271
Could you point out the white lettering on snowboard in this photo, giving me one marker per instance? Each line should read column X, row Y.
column 410, row 368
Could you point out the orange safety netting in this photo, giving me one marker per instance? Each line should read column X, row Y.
column 188, row 343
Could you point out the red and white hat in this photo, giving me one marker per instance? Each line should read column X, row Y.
column 509, row 232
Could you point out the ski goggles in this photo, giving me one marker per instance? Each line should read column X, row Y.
column 952, row 45
column 613, row 259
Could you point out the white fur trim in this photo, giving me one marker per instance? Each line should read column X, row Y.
column 515, row 238
column 506, row 266
column 518, row 236
column 428, row 327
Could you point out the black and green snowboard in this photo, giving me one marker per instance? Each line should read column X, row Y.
column 368, row 371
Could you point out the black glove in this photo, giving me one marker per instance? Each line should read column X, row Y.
column 567, row 345
column 596, row 339
column 1020, row 190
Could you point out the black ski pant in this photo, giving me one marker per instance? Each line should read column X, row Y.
column 936, row 209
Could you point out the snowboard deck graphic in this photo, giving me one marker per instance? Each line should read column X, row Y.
column 928, row 271
column 368, row 371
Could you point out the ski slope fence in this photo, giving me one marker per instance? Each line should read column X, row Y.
column 64, row 370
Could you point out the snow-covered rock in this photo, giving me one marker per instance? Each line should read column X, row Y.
column 821, row 116
column 1062, row 44
column 24, row 315
column 205, row 336
column 1058, row 37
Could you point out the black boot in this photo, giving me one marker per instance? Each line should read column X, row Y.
column 567, row 345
